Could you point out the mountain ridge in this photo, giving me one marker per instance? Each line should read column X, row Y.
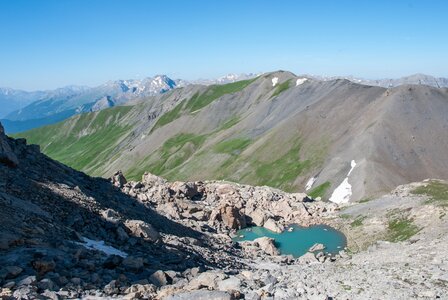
column 277, row 129
column 78, row 99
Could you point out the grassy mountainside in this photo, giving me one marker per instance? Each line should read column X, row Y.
column 265, row 132
column 85, row 142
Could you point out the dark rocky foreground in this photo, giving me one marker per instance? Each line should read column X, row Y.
column 47, row 210
column 66, row 235
column 51, row 216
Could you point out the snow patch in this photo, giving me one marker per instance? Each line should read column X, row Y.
column 310, row 183
column 301, row 81
column 343, row 192
column 100, row 246
column 274, row 81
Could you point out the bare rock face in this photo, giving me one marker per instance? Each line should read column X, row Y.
column 267, row 245
column 153, row 180
column 316, row 247
column 190, row 190
column 232, row 218
column 7, row 156
column 273, row 226
column 142, row 229
column 118, row 179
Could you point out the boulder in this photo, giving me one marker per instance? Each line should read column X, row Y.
column 112, row 261
column 267, row 245
column 153, row 180
column 316, row 247
column 188, row 190
column 231, row 217
column 142, row 229
column 258, row 217
column 121, row 234
column 140, row 291
column 273, row 226
column 46, row 284
column 230, row 284
column 169, row 209
column 7, row 155
column 111, row 216
column 307, row 258
column 118, row 179
column 207, row 279
column 133, row 263
column 10, row 272
column 158, row 278
column 202, row 295
column 43, row 266
column 29, row 280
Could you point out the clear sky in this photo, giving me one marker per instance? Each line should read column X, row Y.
column 52, row 43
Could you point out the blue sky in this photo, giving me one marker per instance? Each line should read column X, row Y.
column 52, row 43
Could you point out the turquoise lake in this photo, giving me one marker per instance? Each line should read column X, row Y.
column 299, row 240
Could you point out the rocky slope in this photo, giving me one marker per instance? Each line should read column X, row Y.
column 342, row 140
column 67, row 235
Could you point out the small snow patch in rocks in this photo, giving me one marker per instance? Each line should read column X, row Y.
column 100, row 246
column 310, row 183
column 343, row 192
column 301, row 81
column 274, row 81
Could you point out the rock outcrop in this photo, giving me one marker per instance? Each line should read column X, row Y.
column 227, row 206
column 7, row 156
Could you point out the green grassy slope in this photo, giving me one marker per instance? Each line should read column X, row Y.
column 201, row 100
column 85, row 142
column 91, row 142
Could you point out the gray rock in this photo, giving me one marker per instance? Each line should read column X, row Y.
column 202, row 295
column 12, row 271
column 112, row 261
column 142, row 229
column 7, row 156
column 230, row 284
column 316, row 247
column 29, row 280
column 153, row 180
column 232, row 217
column 159, row 278
column 76, row 280
column 26, row 293
column 207, row 279
column 43, row 266
column 121, row 234
column 118, row 179
column 46, row 284
column 267, row 245
column 307, row 258
column 133, row 263
column 111, row 216
column 51, row 295
column 111, row 288
column 9, row 285
column 273, row 226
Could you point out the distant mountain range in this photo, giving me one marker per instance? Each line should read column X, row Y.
column 419, row 79
column 21, row 110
